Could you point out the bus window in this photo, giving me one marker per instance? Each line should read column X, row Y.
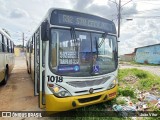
column 9, row 46
column 43, row 52
column 33, row 44
column 54, row 49
column 28, row 46
column 85, row 46
column 13, row 47
column 87, row 50
column 1, row 43
column 5, row 44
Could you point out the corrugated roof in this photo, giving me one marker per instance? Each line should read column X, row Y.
column 147, row 46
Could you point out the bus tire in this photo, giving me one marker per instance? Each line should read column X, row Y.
column 28, row 71
column 5, row 77
column 27, row 68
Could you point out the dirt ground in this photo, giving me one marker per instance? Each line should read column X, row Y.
column 18, row 93
column 153, row 69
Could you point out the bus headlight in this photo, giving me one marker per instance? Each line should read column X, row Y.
column 59, row 91
column 113, row 84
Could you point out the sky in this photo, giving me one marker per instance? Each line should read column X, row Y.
column 18, row 16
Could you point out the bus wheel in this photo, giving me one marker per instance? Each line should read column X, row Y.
column 28, row 72
column 5, row 77
column 27, row 68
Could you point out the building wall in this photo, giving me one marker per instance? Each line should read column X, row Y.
column 150, row 54
column 127, row 58
column 18, row 52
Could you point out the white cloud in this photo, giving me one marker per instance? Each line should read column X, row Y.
column 140, row 32
column 25, row 15
column 18, row 13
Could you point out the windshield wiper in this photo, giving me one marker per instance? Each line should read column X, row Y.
column 104, row 35
column 73, row 35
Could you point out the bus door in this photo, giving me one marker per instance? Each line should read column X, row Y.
column 39, row 70
column 37, row 63
column 29, row 56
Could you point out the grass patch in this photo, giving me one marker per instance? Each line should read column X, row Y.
column 146, row 79
column 135, row 63
column 141, row 75
column 126, row 92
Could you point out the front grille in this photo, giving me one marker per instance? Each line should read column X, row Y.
column 88, row 83
column 84, row 100
column 87, row 90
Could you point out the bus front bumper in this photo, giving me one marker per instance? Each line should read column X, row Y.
column 55, row 104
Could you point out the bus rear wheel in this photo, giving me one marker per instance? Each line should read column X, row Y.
column 28, row 69
column 5, row 77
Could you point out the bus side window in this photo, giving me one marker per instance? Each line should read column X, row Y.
column 1, row 49
column 27, row 47
column 31, row 46
column 54, row 49
column 43, row 53
column 11, row 47
column 5, row 44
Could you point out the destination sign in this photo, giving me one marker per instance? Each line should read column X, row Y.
column 81, row 20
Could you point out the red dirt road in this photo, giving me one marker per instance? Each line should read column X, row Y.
column 18, row 93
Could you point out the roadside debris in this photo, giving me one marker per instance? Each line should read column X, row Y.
column 141, row 106
column 131, row 79
column 124, row 110
column 145, row 102
column 158, row 104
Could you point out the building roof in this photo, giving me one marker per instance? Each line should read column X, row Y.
column 146, row 46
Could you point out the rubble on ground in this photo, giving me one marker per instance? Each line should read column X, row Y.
column 145, row 99
column 131, row 79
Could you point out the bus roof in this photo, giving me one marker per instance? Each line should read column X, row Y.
column 52, row 9
column 5, row 34
column 93, row 21
column 49, row 13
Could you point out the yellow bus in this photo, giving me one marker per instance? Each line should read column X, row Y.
column 73, row 58
column 6, row 56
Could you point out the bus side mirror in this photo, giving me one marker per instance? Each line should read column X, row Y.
column 44, row 31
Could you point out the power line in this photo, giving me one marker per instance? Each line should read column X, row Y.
column 125, row 3
column 154, row 17
column 146, row 0
column 141, row 12
column 150, row 3
column 149, row 10
column 119, row 7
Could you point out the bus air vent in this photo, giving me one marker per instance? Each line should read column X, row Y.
column 84, row 100
column 87, row 90
column 88, row 83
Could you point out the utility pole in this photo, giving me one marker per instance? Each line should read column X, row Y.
column 119, row 18
column 23, row 40
column 119, row 6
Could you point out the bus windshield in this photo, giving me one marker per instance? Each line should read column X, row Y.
column 82, row 53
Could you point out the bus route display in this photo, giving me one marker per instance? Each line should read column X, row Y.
column 81, row 20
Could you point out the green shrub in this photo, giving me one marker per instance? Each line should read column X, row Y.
column 121, row 102
column 126, row 92
column 141, row 75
